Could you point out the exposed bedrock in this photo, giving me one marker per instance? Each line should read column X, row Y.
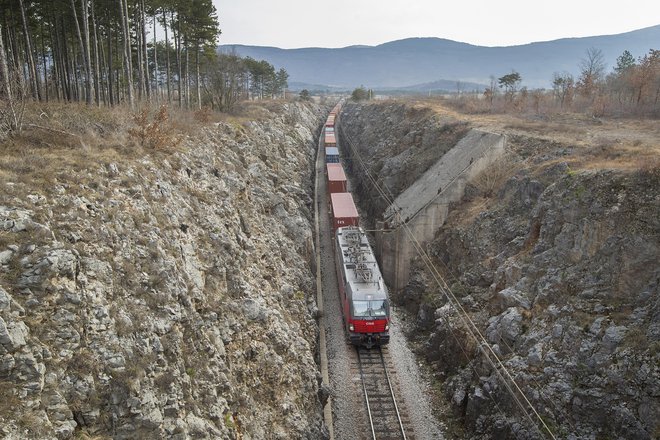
column 169, row 297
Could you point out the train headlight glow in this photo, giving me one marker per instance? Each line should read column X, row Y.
column 351, row 327
column 387, row 327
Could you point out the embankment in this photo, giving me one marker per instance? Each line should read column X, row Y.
column 162, row 294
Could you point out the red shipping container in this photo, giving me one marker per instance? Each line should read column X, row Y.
column 344, row 212
column 330, row 140
column 336, row 178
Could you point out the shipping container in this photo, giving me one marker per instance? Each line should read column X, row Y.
column 330, row 140
column 336, row 178
column 344, row 212
column 332, row 155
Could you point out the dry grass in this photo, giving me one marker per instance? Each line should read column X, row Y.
column 468, row 211
column 538, row 143
column 597, row 143
column 495, row 175
column 67, row 143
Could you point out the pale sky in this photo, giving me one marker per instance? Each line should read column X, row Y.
column 339, row 23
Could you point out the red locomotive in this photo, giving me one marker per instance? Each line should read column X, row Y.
column 363, row 293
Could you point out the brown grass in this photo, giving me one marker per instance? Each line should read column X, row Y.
column 494, row 176
column 598, row 143
column 67, row 143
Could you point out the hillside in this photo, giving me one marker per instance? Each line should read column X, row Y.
column 417, row 61
column 158, row 290
column 552, row 252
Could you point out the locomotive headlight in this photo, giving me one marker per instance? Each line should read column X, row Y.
column 387, row 327
column 351, row 327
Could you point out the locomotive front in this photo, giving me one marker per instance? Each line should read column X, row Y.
column 365, row 304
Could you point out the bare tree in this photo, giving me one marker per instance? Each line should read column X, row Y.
column 563, row 88
column 592, row 71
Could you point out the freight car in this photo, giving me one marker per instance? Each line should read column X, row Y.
column 329, row 139
column 332, row 155
column 336, row 178
column 363, row 293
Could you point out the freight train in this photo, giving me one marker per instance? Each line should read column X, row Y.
column 362, row 290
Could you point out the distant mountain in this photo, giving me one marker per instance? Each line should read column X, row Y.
column 442, row 85
column 417, row 61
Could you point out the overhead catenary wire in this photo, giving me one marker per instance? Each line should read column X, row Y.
column 474, row 332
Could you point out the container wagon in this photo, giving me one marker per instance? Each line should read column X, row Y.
column 332, row 155
column 336, row 178
column 329, row 139
column 343, row 210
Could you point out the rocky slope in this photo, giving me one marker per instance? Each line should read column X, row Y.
column 557, row 266
column 167, row 296
column 398, row 142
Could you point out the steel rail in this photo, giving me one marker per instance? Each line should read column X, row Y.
column 366, row 396
column 396, row 407
column 379, row 371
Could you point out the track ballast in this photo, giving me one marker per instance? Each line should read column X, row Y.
column 386, row 416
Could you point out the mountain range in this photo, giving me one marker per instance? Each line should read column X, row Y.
column 420, row 64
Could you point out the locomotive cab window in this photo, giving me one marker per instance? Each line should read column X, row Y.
column 368, row 309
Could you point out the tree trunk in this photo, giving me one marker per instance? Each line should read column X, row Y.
column 177, row 48
column 101, row 69
column 12, row 48
column 43, row 54
column 117, row 74
column 187, row 74
column 127, row 51
column 145, row 55
column 111, row 74
column 68, row 87
column 138, row 39
column 55, row 60
column 156, row 87
column 97, row 72
column 199, row 93
column 4, row 69
column 73, row 60
column 89, row 80
column 34, row 79
column 88, row 97
column 167, row 61
column 59, row 61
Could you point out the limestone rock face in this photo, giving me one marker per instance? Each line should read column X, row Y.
column 167, row 297
column 571, row 308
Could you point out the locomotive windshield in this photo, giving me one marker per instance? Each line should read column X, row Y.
column 373, row 308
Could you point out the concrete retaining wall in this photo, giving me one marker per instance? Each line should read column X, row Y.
column 422, row 209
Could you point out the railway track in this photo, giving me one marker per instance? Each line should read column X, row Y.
column 387, row 419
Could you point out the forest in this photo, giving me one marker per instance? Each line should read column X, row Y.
column 110, row 52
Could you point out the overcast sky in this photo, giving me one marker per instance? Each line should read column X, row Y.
column 340, row 23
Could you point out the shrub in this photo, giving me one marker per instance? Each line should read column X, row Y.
column 156, row 134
